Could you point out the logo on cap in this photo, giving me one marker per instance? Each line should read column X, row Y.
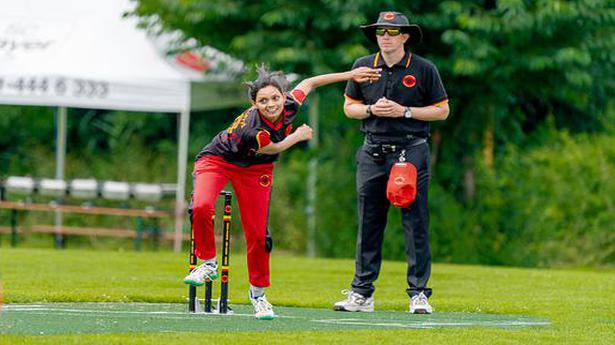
column 409, row 80
column 389, row 16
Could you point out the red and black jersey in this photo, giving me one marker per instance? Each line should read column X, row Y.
column 239, row 143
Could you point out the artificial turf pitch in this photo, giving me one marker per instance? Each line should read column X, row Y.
column 81, row 318
column 71, row 297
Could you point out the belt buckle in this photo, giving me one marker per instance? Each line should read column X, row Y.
column 386, row 148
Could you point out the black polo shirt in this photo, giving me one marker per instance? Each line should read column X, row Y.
column 412, row 82
column 250, row 131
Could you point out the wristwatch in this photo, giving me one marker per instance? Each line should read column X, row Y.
column 368, row 110
column 408, row 113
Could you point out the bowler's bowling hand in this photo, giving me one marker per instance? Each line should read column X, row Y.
column 364, row 74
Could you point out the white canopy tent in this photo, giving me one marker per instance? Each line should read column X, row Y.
column 85, row 54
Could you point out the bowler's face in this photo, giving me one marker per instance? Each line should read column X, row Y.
column 270, row 102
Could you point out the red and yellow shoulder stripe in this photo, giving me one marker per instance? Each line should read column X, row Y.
column 376, row 59
column 409, row 59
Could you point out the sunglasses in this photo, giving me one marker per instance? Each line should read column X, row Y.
column 390, row 31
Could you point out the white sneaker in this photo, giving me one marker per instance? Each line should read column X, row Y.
column 263, row 310
column 355, row 302
column 420, row 305
column 202, row 273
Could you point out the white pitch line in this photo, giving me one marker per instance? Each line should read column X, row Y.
column 361, row 323
column 89, row 312
column 18, row 306
column 68, row 311
column 170, row 317
column 430, row 324
column 85, row 311
column 44, row 310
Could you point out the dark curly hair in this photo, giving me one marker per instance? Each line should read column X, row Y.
column 265, row 78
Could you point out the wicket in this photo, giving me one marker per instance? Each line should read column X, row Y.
column 222, row 306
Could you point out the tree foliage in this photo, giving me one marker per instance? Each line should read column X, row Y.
column 508, row 65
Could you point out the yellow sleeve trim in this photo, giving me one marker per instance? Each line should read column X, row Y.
column 440, row 103
column 352, row 99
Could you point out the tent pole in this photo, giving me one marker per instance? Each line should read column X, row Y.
column 61, row 118
column 182, row 157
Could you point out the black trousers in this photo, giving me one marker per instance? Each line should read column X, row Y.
column 373, row 206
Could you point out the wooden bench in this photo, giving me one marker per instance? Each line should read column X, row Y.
column 137, row 235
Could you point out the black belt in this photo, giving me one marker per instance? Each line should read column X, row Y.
column 394, row 143
column 378, row 147
column 388, row 148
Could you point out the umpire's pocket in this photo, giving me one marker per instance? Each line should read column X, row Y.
column 374, row 153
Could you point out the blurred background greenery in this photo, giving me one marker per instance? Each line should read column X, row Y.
column 523, row 169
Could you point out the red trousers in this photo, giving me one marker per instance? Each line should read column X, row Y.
column 252, row 187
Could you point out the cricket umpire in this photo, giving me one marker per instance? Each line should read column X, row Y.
column 395, row 112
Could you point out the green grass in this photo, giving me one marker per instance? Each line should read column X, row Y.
column 579, row 303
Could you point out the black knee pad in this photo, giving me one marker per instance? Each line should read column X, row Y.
column 268, row 242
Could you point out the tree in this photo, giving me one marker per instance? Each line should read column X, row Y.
column 506, row 64
column 514, row 62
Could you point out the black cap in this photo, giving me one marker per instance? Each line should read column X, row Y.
column 394, row 19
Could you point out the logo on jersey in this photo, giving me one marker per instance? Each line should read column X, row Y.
column 409, row 80
column 265, row 180
column 240, row 121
